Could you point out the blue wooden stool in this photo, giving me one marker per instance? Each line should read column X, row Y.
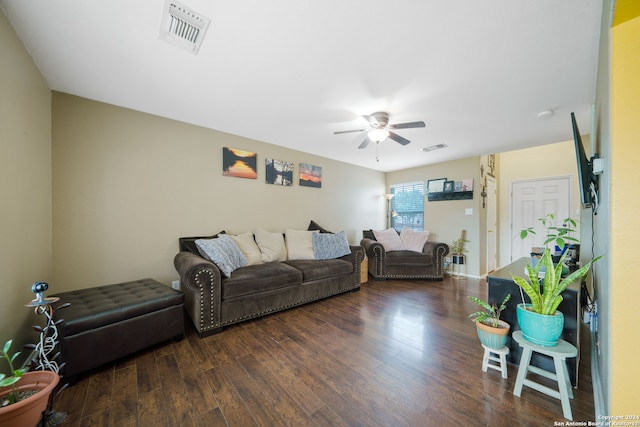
column 559, row 353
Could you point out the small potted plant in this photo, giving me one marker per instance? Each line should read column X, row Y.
column 458, row 250
column 540, row 321
column 23, row 395
column 492, row 331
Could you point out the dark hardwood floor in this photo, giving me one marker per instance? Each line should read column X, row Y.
column 396, row 353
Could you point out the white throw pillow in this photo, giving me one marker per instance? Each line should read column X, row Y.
column 299, row 244
column 414, row 240
column 389, row 239
column 249, row 248
column 271, row 245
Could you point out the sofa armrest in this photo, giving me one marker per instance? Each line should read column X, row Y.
column 376, row 254
column 371, row 247
column 356, row 256
column 437, row 251
column 200, row 281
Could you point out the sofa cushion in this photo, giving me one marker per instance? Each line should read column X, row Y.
column 299, row 244
column 258, row 278
column 330, row 246
column 414, row 240
column 389, row 239
column 321, row 269
column 223, row 252
column 271, row 245
column 405, row 257
column 249, row 248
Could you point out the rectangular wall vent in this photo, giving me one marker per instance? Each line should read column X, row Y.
column 434, row 147
column 183, row 27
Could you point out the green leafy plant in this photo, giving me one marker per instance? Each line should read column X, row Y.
column 491, row 313
column 558, row 236
column 457, row 246
column 545, row 297
column 16, row 374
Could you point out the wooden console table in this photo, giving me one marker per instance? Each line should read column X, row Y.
column 500, row 284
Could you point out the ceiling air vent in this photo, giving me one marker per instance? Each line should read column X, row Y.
column 183, row 27
column 434, row 147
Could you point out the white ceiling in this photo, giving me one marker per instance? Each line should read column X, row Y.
column 291, row 72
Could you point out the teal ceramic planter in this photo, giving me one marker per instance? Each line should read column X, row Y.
column 540, row 329
column 493, row 337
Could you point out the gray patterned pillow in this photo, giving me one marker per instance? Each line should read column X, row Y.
column 223, row 252
column 329, row 246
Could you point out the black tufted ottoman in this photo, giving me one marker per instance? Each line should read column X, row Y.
column 106, row 323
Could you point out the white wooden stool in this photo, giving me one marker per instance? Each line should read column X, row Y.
column 559, row 353
column 501, row 359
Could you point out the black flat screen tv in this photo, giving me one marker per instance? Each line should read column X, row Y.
column 588, row 181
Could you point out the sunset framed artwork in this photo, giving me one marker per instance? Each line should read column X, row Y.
column 239, row 163
column 310, row 175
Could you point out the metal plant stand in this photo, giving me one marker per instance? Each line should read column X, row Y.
column 45, row 349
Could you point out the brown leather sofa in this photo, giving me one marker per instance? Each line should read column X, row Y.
column 213, row 301
column 404, row 264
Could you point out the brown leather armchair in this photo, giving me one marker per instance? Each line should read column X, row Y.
column 404, row 264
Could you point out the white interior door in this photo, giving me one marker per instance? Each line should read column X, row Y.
column 492, row 238
column 531, row 200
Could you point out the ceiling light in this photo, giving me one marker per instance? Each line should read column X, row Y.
column 378, row 135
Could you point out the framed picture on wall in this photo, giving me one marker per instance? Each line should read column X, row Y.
column 310, row 175
column 239, row 163
column 448, row 186
column 436, row 185
column 278, row 172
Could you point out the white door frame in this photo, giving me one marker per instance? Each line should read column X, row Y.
column 492, row 229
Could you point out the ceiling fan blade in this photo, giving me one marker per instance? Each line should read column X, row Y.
column 407, row 125
column 397, row 138
column 348, row 131
column 372, row 120
column 364, row 143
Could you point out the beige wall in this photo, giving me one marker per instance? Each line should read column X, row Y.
column 126, row 185
column 533, row 163
column 446, row 219
column 25, row 185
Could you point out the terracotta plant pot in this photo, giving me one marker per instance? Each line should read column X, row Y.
column 27, row 412
column 493, row 337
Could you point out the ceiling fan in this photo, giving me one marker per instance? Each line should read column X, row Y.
column 380, row 129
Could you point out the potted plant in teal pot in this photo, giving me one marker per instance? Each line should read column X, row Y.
column 540, row 321
column 492, row 331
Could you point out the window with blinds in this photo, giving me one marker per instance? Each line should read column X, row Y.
column 407, row 206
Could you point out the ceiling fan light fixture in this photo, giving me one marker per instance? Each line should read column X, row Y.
column 378, row 135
